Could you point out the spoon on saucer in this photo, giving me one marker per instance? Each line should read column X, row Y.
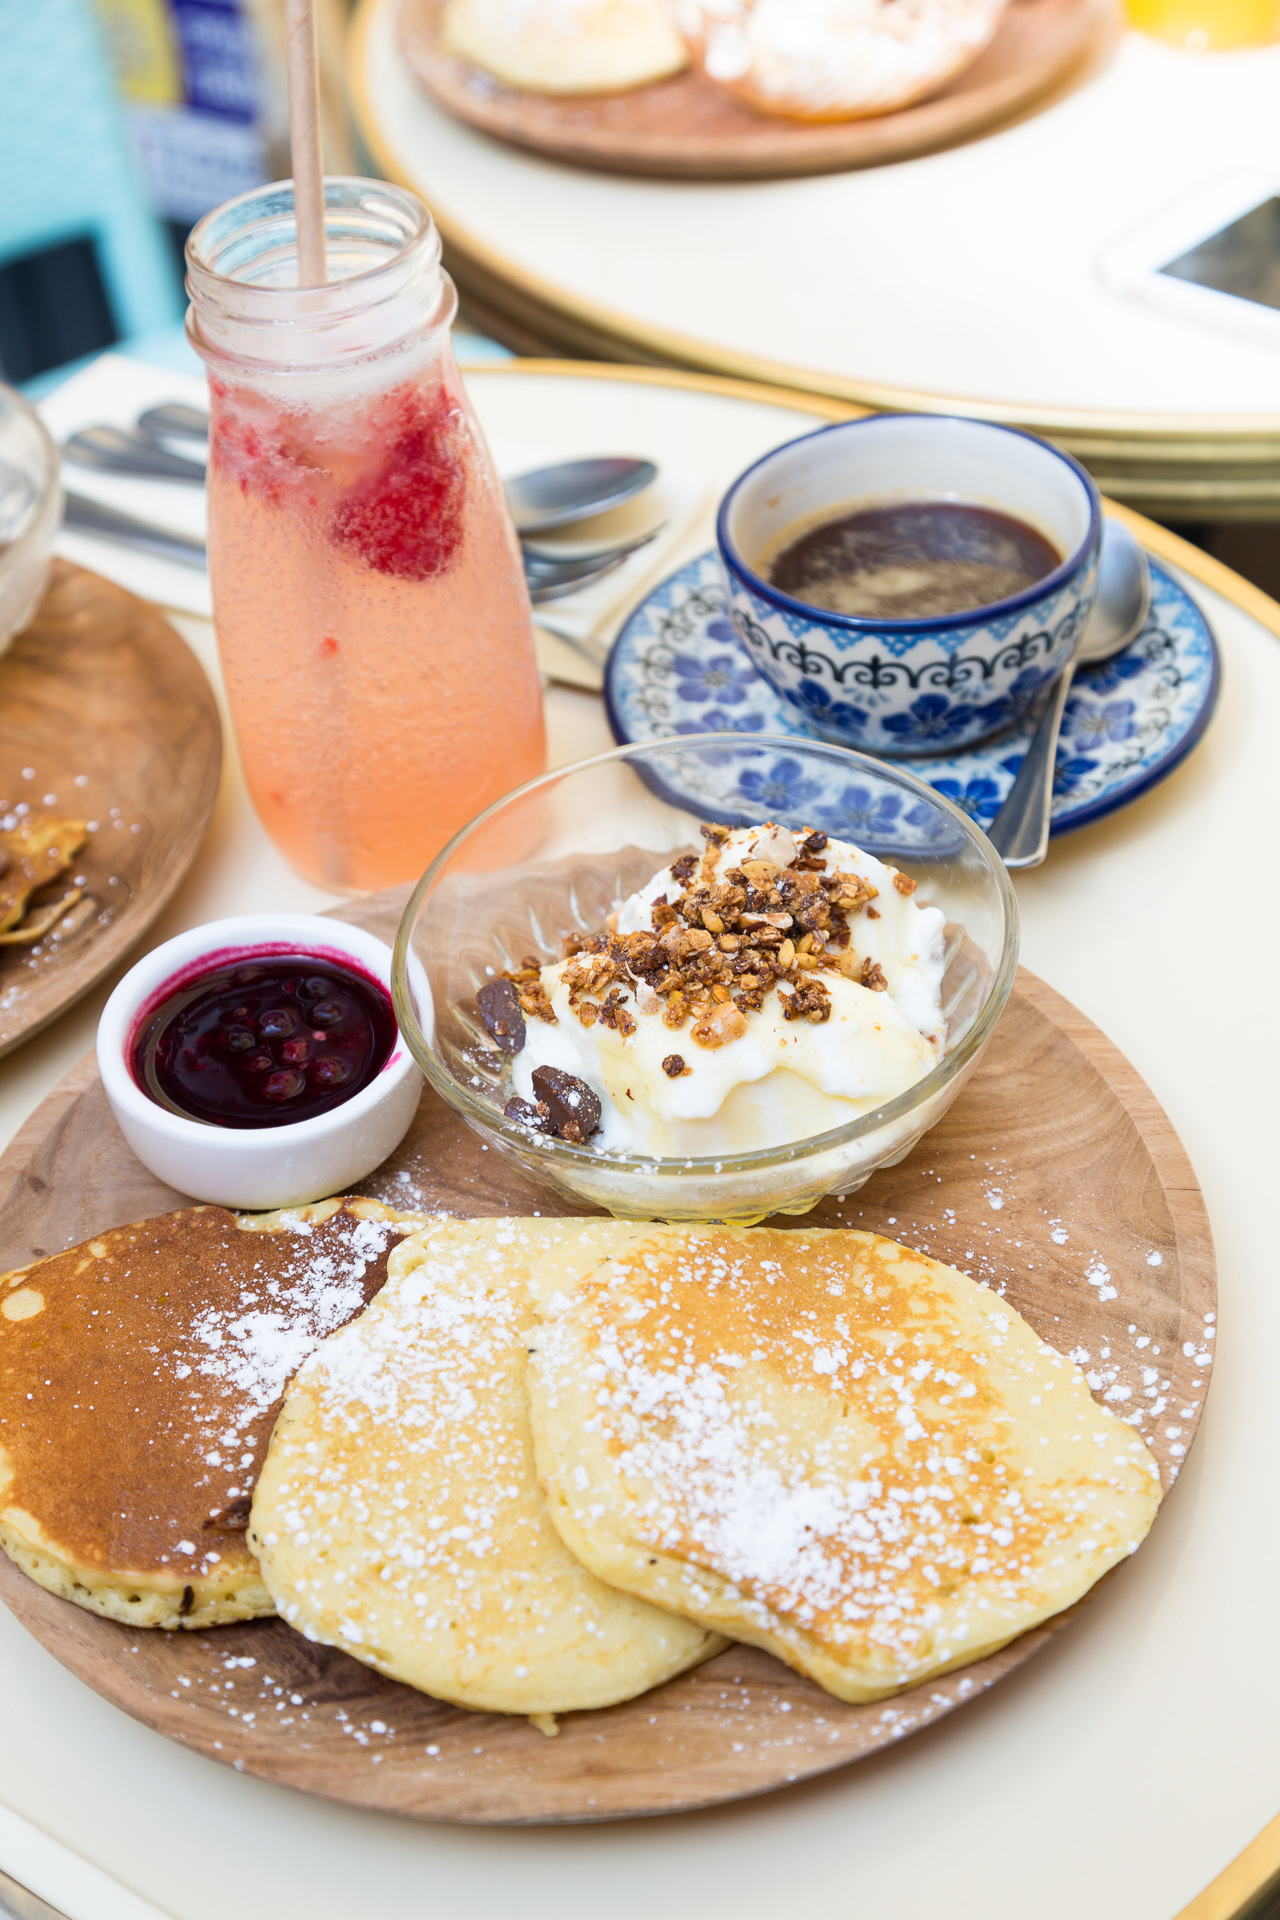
column 1020, row 831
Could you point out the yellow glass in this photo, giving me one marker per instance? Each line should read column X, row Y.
column 1208, row 26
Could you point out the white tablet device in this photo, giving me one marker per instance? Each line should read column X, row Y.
column 1213, row 257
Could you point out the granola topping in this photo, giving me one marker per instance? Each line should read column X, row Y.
column 723, row 938
column 802, row 978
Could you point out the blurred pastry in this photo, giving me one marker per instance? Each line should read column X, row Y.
column 566, row 46
column 834, row 59
column 829, row 1446
column 34, row 852
column 139, row 1376
column 399, row 1516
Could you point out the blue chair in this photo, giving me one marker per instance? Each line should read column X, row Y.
column 66, row 169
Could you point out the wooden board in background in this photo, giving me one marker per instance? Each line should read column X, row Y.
column 104, row 708
column 1055, row 1176
column 686, row 128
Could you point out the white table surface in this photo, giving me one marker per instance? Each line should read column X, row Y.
column 966, row 275
column 1116, row 1774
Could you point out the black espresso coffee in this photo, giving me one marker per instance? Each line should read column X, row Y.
column 913, row 560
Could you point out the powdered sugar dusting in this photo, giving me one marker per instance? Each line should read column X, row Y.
column 258, row 1344
column 890, row 1504
column 1124, row 1298
column 400, row 1515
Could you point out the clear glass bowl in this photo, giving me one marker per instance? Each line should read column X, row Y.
column 30, row 511
column 556, row 856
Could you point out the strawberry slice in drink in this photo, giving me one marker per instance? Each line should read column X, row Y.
column 405, row 518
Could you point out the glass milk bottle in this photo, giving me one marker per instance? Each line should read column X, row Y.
column 368, row 592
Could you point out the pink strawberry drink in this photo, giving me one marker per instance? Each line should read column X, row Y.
column 369, row 598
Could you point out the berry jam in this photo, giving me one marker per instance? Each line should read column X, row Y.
column 264, row 1042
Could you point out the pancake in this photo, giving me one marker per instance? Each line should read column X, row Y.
column 565, row 46
column 829, row 1446
column 399, row 1517
column 139, row 1377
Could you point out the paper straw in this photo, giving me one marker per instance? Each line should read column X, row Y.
column 304, row 139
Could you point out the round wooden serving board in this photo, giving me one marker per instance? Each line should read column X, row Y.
column 106, row 716
column 1055, row 1177
column 686, row 128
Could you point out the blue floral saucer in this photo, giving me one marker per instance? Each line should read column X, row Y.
column 679, row 667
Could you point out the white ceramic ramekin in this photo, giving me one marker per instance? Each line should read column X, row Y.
column 251, row 1167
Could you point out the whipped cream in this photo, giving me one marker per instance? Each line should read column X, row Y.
column 776, row 987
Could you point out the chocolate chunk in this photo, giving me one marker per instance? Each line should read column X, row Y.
column 644, row 954
column 673, row 1066
column 188, row 1601
column 525, row 1114
column 814, row 842
column 573, row 1106
column 233, row 1518
column 500, row 1011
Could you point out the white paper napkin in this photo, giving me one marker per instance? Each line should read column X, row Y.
column 115, row 389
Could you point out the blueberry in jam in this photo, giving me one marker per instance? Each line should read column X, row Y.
column 264, row 1041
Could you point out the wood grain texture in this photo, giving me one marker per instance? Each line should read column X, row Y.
column 104, row 708
column 1054, row 1163
column 686, row 128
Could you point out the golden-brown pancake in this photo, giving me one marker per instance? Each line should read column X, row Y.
column 140, row 1374
column 398, row 1514
column 830, row 1446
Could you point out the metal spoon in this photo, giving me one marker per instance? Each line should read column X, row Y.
column 543, row 565
column 574, row 490
column 90, row 516
column 173, row 421
column 637, row 519
column 118, row 450
column 556, row 583
column 1020, row 831
column 540, row 593
column 549, row 497
column 546, row 581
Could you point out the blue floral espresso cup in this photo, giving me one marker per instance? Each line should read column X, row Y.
column 910, row 686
